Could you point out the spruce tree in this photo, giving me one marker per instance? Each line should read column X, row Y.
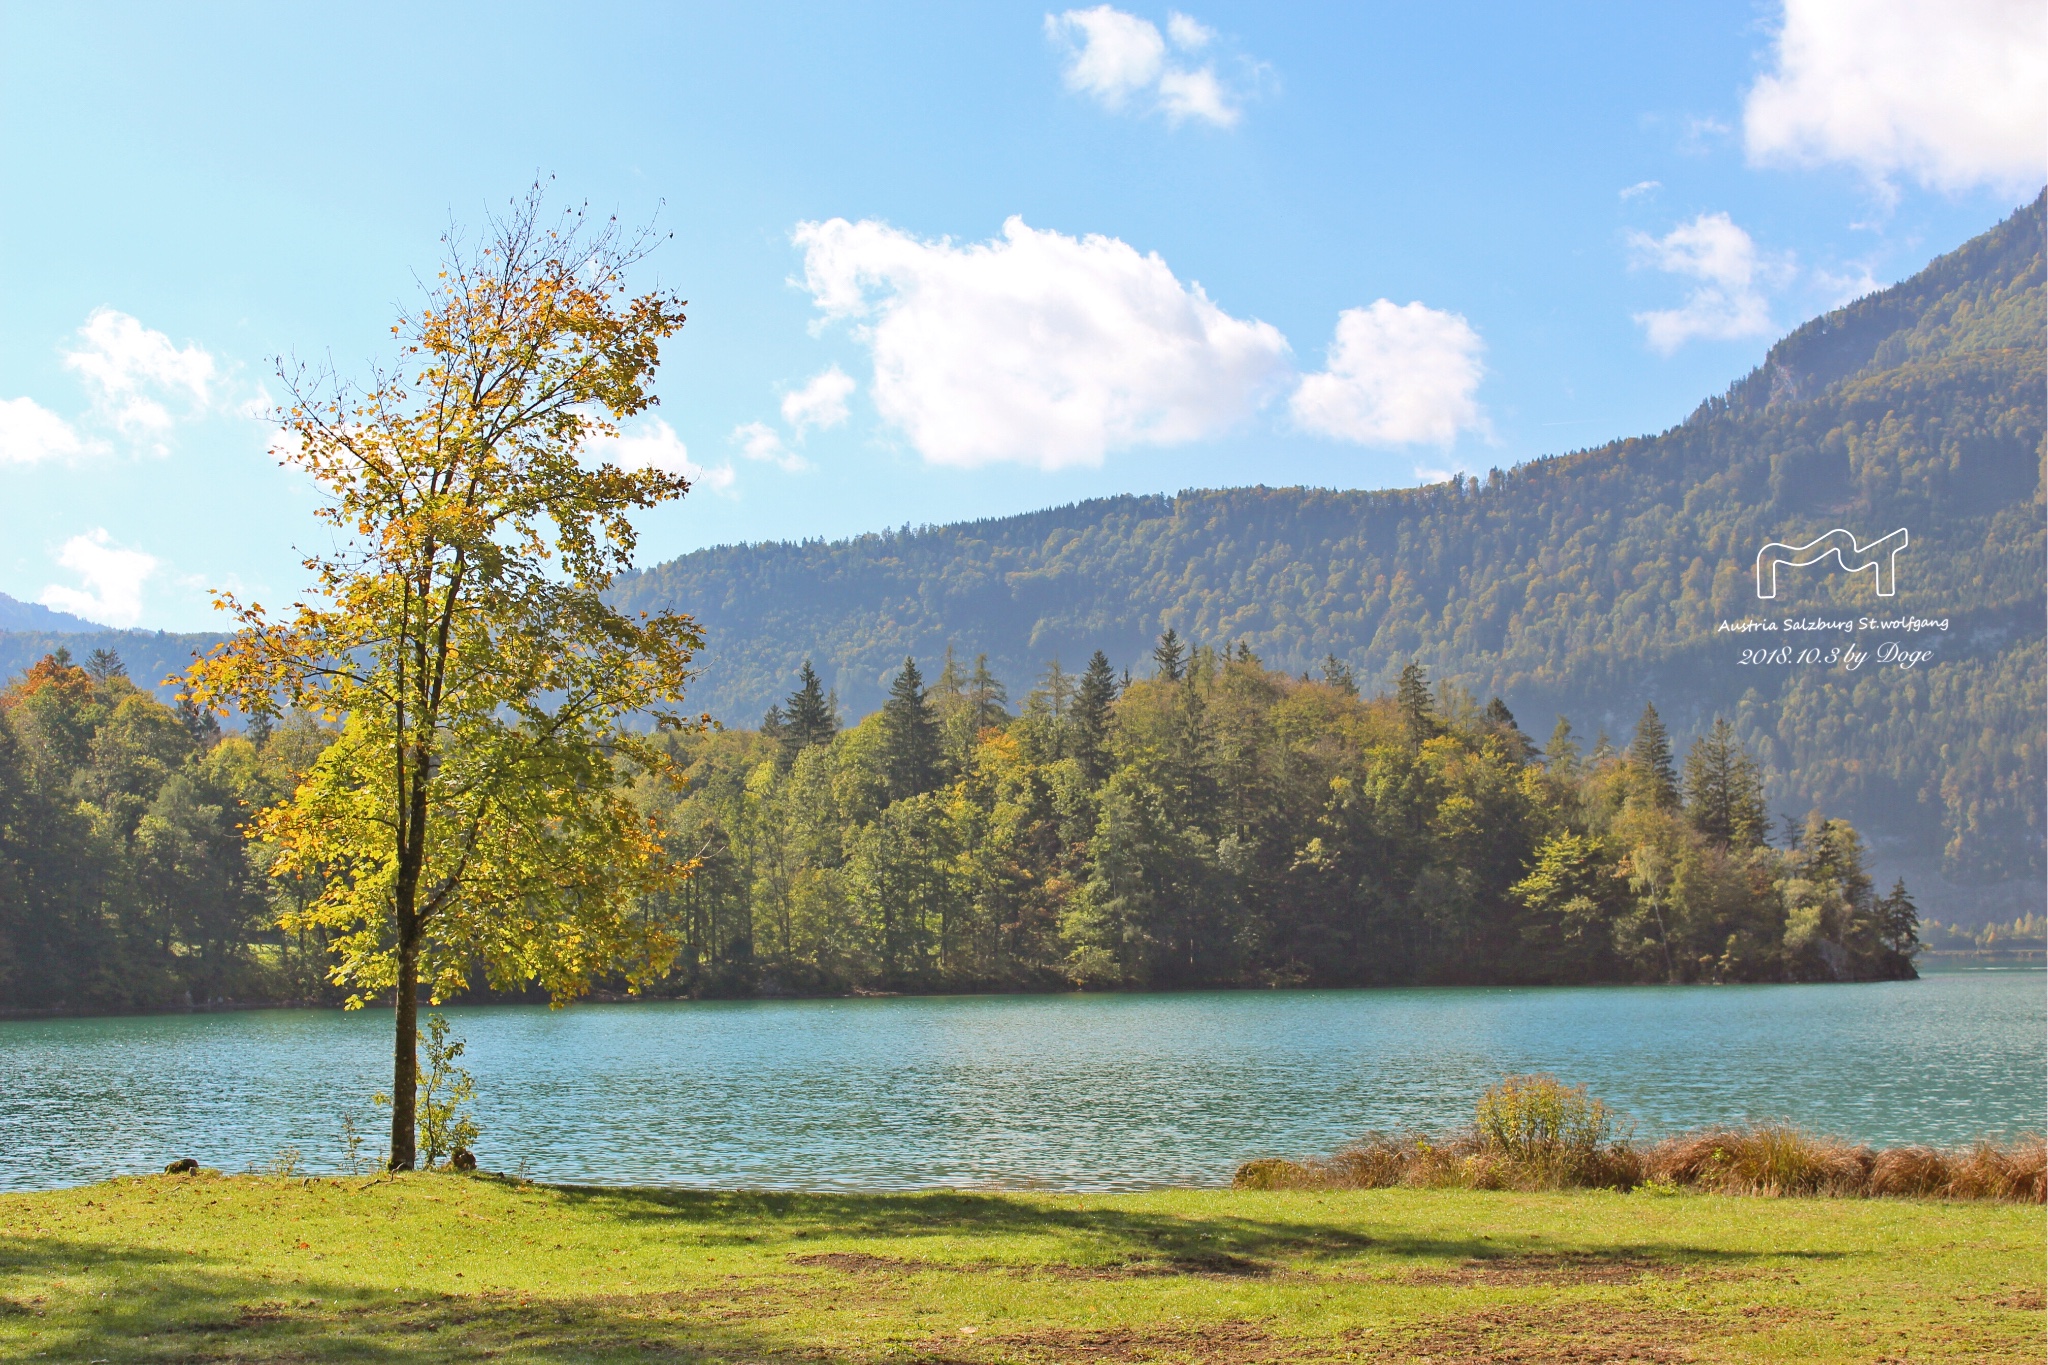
column 1337, row 674
column 1501, row 721
column 809, row 716
column 1724, row 789
column 910, row 736
column 1411, row 696
column 1650, row 750
column 104, row 665
column 1170, row 655
column 987, row 698
column 1563, row 752
column 1898, row 922
column 1091, row 717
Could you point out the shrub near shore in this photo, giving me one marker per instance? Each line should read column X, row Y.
column 1535, row 1133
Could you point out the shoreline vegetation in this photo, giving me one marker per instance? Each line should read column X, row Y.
column 1216, row 825
column 1534, row 1133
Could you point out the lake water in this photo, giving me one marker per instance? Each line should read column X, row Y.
column 1076, row 1092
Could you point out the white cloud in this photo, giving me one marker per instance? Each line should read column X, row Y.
column 655, row 445
column 1846, row 286
column 1114, row 56
column 759, row 441
column 1642, row 187
column 30, row 432
column 1195, row 94
column 1953, row 94
column 820, row 403
column 1396, row 375
column 113, row 580
column 1036, row 347
column 1728, row 302
column 1188, row 34
column 134, row 369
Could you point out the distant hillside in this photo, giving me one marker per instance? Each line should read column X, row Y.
column 18, row 615
column 150, row 656
column 1577, row 585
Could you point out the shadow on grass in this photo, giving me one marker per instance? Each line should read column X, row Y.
column 1081, row 1234
column 119, row 1305
column 100, row 1300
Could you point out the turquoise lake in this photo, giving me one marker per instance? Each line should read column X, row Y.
column 1077, row 1092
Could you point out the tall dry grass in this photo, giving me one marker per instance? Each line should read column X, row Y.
column 1535, row 1133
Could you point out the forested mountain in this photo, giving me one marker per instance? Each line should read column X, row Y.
column 150, row 656
column 1579, row 584
column 16, row 614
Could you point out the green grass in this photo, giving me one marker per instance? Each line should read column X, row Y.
column 435, row 1267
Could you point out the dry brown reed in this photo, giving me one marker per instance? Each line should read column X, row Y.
column 1534, row 1133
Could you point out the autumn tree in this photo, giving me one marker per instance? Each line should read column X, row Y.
column 471, row 817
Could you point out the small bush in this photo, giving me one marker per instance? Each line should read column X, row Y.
column 1533, row 1132
column 1770, row 1160
column 1272, row 1173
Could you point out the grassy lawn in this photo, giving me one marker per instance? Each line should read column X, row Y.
column 433, row 1267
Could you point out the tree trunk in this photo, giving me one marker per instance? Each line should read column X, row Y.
column 405, row 1057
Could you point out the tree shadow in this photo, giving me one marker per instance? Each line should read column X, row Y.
column 159, row 1306
column 118, row 1303
column 1085, row 1234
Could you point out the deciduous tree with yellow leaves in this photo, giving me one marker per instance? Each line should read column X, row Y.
column 471, row 817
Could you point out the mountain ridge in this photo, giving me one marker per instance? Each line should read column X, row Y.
column 1575, row 583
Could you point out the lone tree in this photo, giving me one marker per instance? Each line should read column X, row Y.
column 471, row 816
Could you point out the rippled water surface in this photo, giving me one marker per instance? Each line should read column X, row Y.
column 1083, row 1092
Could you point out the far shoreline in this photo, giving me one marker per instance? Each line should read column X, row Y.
column 1943, row 962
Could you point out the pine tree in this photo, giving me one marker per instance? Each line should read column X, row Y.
column 104, row 665
column 1411, row 695
column 1501, row 721
column 776, row 730
column 1091, row 717
column 810, row 716
column 987, row 698
column 1898, row 922
column 1337, row 674
column 1724, row 795
column 910, row 736
column 1170, row 655
column 1650, row 751
column 1563, row 752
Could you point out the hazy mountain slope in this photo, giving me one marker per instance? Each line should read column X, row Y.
column 150, row 655
column 1581, row 584
column 19, row 615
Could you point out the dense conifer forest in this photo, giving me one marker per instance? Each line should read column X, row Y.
column 1212, row 823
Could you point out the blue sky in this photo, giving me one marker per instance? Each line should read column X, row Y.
column 957, row 261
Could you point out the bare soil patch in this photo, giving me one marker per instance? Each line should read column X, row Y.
column 1564, row 1268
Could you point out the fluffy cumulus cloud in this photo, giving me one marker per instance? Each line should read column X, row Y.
column 759, row 441
column 1727, row 300
column 113, row 579
column 1122, row 61
column 1036, row 347
column 136, row 372
column 820, row 404
column 1953, row 94
column 1397, row 374
column 30, row 433
column 654, row 445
